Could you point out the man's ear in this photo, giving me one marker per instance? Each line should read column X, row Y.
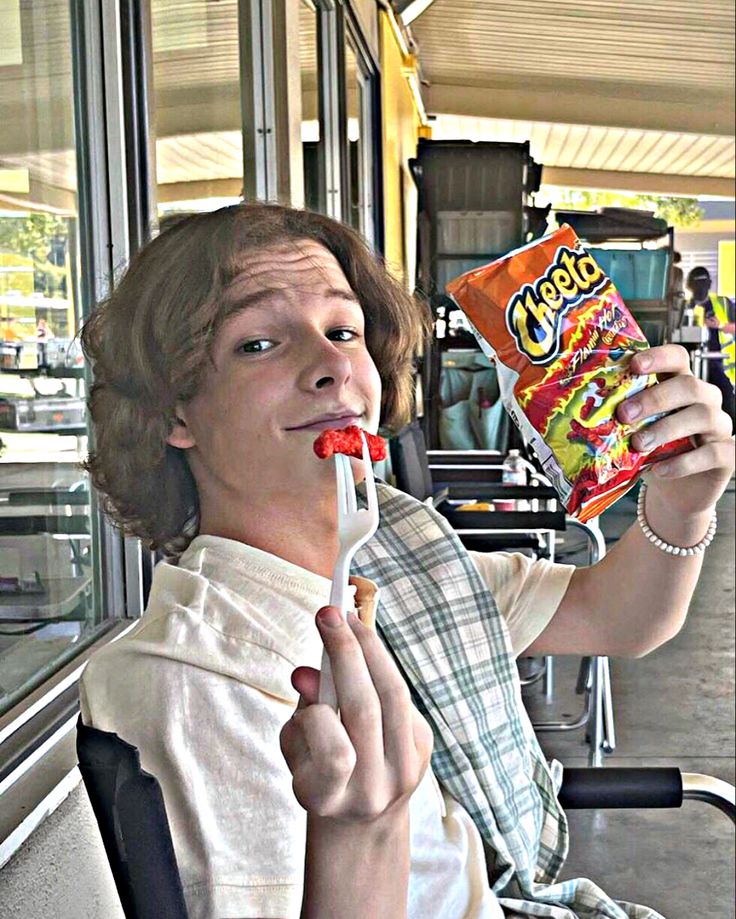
column 180, row 435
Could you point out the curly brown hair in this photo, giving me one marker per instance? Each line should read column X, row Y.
column 150, row 341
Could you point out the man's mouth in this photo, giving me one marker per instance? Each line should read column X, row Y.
column 327, row 422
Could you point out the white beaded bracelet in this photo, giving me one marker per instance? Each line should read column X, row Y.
column 665, row 546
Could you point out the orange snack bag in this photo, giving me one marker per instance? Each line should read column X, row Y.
column 562, row 338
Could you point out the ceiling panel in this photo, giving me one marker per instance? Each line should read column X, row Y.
column 598, row 148
column 628, row 41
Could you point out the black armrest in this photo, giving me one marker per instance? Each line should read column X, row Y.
column 465, row 458
column 501, row 542
column 613, row 786
column 468, row 489
column 543, row 519
column 652, row 786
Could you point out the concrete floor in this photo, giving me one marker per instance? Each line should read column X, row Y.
column 674, row 707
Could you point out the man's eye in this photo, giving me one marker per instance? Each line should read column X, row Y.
column 257, row 346
column 343, row 334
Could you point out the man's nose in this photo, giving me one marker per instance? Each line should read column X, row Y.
column 325, row 365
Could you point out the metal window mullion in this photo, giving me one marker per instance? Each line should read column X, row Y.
column 257, row 108
column 115, row 143
column 270, row 152
column 330, row 111
column 366, row 165
column 98, row 110
column 135, row 149
column 377, row 163
column 140, row 142
column 119, row 234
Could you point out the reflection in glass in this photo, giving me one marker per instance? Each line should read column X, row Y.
column 196, row 102
column 47, row 603
column 311, row 135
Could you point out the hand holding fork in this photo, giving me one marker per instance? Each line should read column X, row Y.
column 362, row 764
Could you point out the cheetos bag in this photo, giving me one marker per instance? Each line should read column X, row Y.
column 562, row 340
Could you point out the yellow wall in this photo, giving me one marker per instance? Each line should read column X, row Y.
column 400, row 130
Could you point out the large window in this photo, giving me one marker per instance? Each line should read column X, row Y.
column 196, row 105
column 48, row 606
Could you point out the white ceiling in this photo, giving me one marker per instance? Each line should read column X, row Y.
column 591, row 147
column 642, row 87
column 668, row 42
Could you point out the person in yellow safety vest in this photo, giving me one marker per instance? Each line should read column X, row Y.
column 717, row 313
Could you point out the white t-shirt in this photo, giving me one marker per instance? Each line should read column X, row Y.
column 201, row 685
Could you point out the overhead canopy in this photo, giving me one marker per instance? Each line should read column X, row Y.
column 659, row 74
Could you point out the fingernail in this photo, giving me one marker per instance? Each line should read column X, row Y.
column 645, row 441
column 662, row 469
column 631, row 410
column 330, row 617
column 644, row 363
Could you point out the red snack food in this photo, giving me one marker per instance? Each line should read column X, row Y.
column 348, row 440
column 562, row 338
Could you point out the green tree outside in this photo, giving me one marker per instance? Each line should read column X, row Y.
column 42, row 238
column 678, row 212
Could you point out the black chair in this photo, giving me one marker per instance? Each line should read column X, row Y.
column 131, row 814
column 469, row 476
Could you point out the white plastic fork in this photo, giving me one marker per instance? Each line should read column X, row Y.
column 354, row 528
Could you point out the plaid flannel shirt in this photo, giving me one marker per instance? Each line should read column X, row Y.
column 447, row 637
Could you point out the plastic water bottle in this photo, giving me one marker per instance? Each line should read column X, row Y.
column 513, row 472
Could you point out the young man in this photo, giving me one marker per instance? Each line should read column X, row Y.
column 234, row 338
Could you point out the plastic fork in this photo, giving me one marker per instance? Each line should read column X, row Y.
column 355, row 526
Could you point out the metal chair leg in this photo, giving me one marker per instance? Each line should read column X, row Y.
column 594, row 681
column 594, row 677
column 534, row 677
column 583, row 681
column 609, row 742
column 596, row 726
column 584, row 718
column 549, row 677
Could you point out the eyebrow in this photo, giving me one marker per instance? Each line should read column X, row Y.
column 260, row 296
